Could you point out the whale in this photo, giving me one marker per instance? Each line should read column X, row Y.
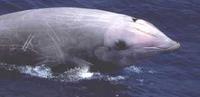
column 68, row 37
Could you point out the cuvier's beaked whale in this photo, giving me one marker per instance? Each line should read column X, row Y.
column 78, row 37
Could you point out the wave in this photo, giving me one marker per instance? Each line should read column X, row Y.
column 74, row 74
column 43, row 71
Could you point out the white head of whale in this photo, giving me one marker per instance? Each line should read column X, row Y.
column 127, row 42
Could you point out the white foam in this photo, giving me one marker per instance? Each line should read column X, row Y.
column 134, row 69
column 39, row 71
column 116, row 78
column 85, row 74
column 75, row 74
column 151, row 71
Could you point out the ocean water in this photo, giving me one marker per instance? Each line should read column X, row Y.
column 175, row 74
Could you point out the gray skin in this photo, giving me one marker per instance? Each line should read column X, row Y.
column 80, row 37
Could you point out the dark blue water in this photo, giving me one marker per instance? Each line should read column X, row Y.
column 171, row 75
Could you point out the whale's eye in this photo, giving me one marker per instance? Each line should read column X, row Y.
column 121, row 45
column 134, row 19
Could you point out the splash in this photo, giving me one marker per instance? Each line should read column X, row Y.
column 71, row 75
column 43, row 71
column 134, row 69
column 38, row 71
column 84, row 73
column 116, row 78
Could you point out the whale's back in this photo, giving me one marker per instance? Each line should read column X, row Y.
column 54, row 32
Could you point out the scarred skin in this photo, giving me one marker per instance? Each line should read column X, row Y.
column 77, row 37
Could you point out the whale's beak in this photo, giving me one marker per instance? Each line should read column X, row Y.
column 174, row 46
column 170, row 46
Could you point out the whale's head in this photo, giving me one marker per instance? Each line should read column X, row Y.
column 144, row 37
column 136, row 39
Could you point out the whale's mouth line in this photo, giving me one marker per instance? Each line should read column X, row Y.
column 171, row 48
column 174, row 47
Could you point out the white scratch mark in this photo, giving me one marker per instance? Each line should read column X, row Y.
column 55, row 39
column 28, row 42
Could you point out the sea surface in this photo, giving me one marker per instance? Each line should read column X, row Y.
column 175, row 74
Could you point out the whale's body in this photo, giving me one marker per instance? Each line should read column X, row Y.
column 73, row 37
